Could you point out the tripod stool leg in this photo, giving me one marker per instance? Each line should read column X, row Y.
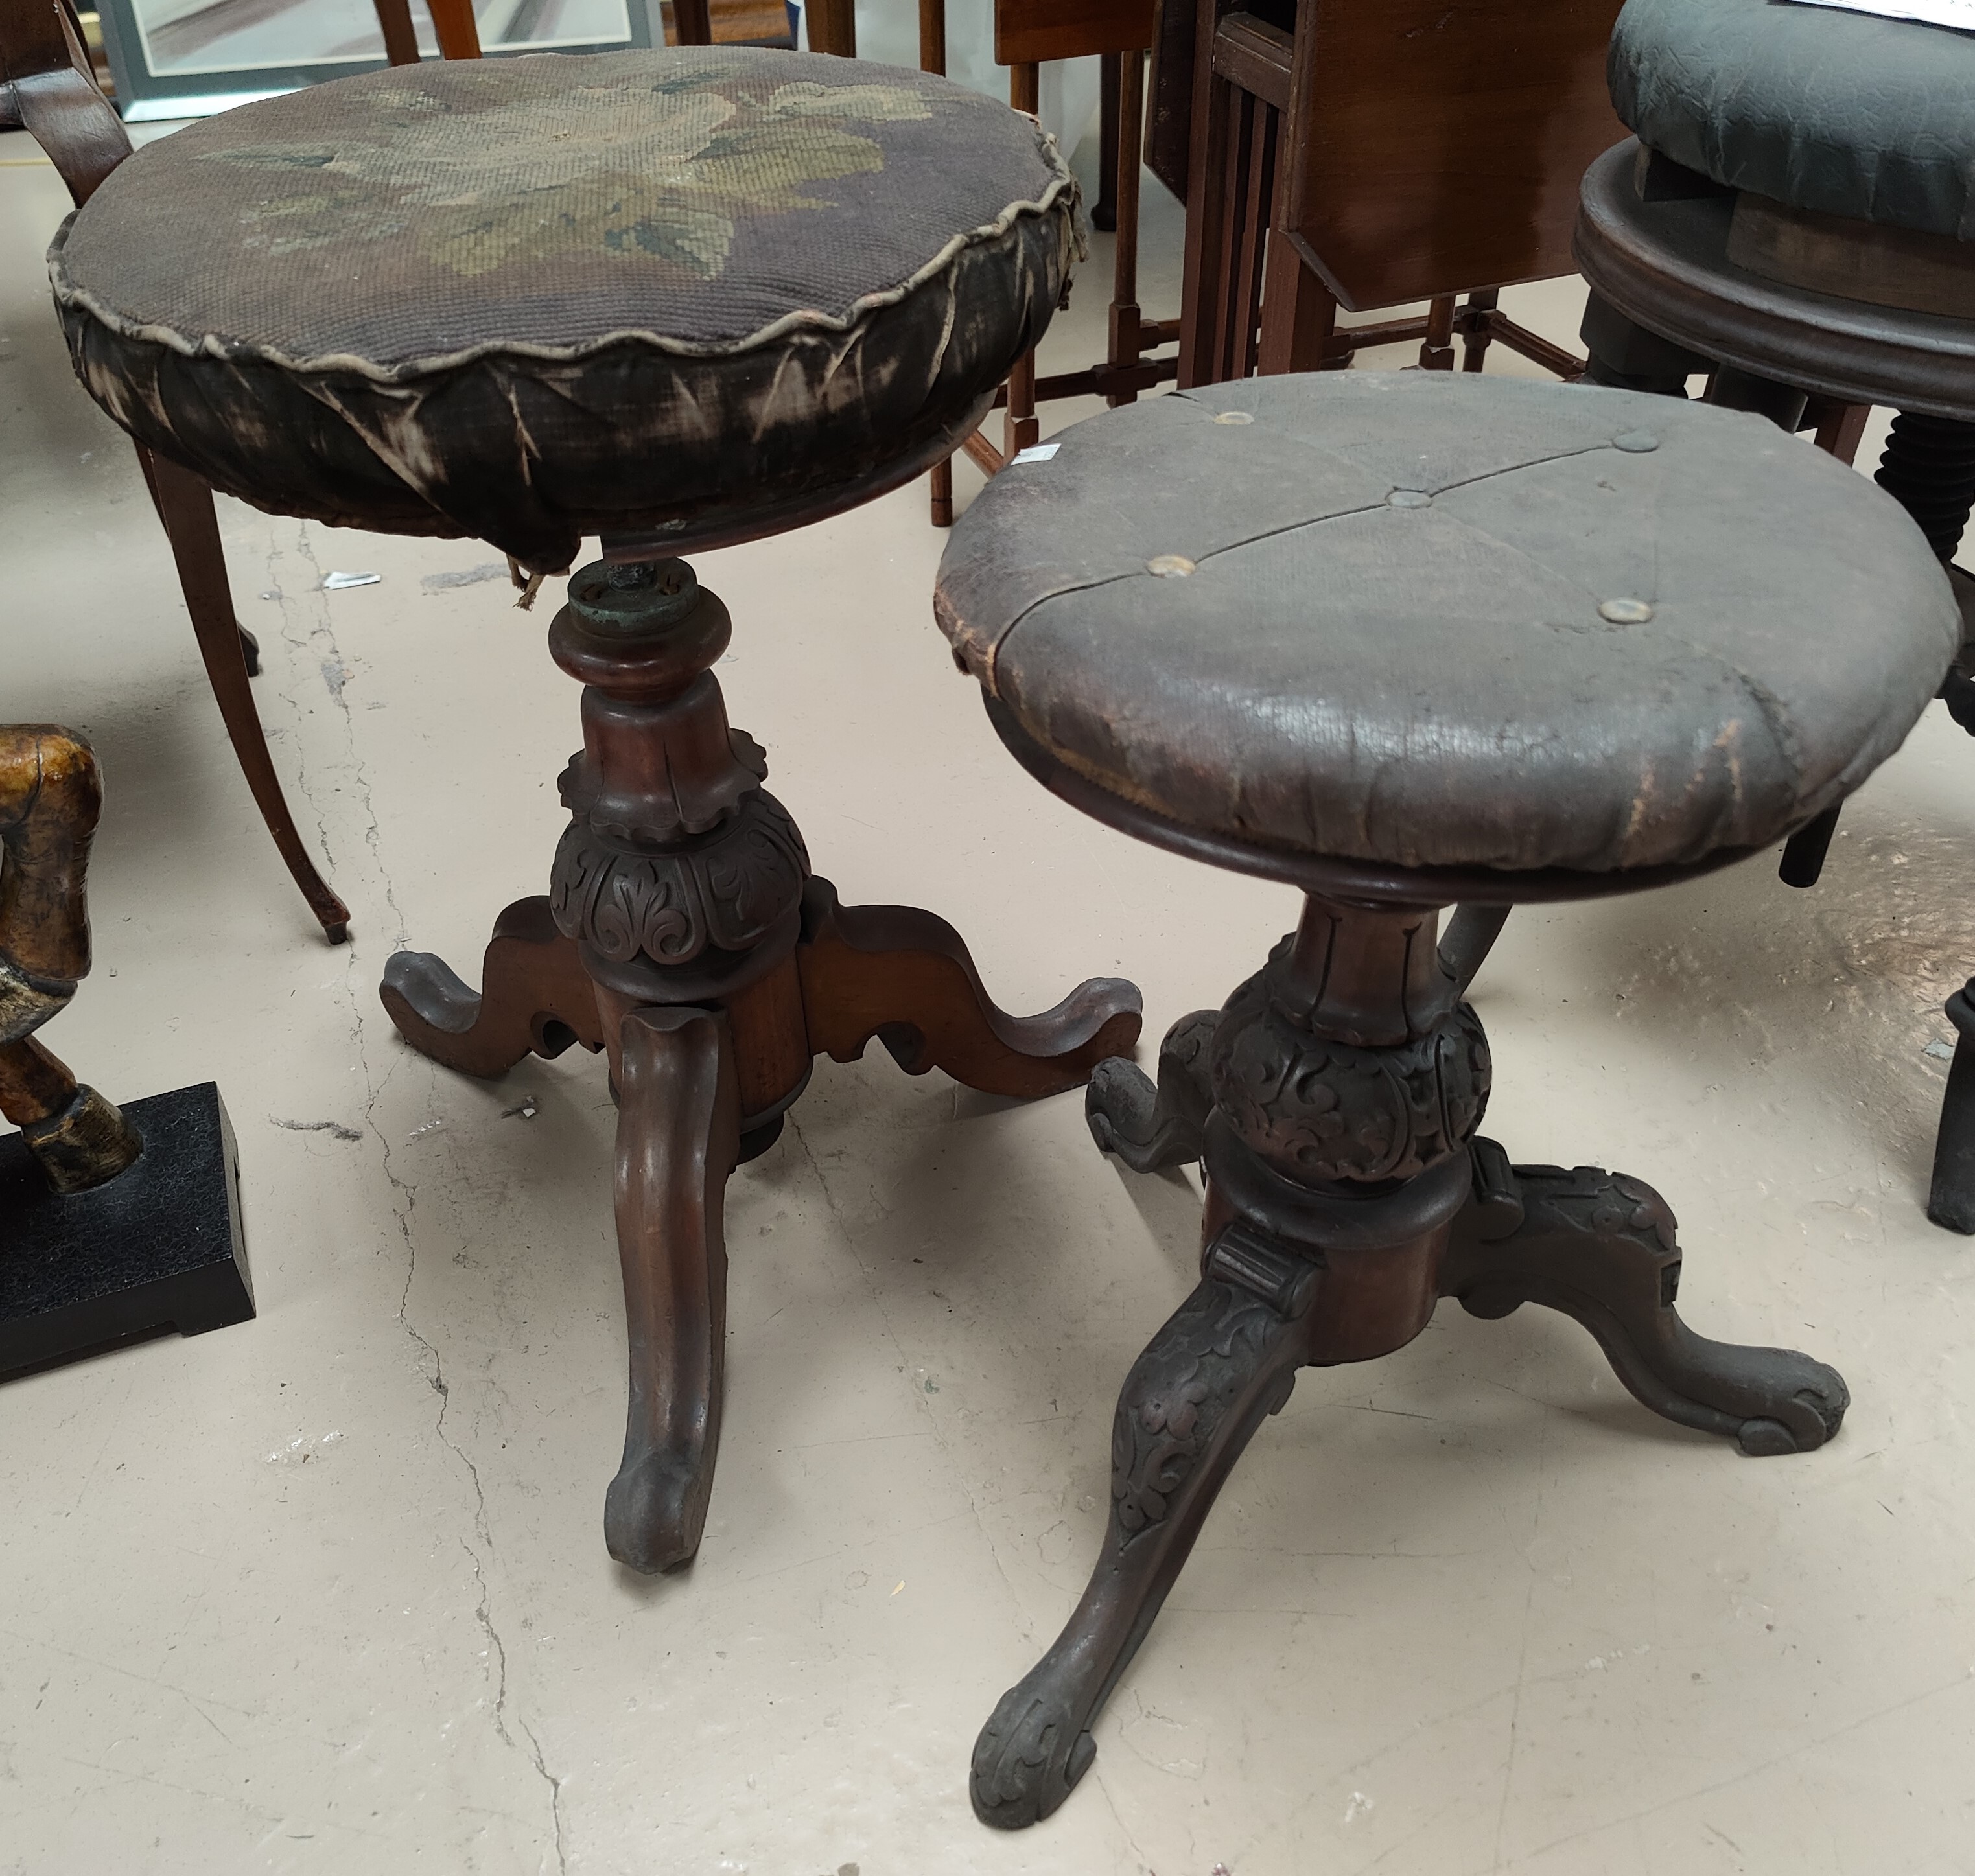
column 678, row 1138
column 906, row 978
column 1600, row 1247
column 1223, row 1363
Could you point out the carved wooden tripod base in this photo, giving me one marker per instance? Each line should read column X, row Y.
column 1335, row 1101
column 683, row 934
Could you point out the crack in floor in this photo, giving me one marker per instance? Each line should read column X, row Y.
column 319, row 652
column 1092, row 1778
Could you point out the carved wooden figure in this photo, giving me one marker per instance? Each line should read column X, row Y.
column 49, row 797
column 1338, row 630
column 114, row 1224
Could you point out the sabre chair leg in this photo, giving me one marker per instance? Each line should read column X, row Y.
column 185, row 503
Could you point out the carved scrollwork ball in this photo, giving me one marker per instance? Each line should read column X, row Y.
column 1317, row 1109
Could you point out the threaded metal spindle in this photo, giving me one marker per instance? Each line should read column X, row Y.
column 1929, row 469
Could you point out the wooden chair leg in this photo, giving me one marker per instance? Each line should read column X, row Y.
column 1841, row 428
column 1125, row 86
column 941, row 482
column 932, row 58
column 1474, row 339
column 401, row 38
column 250, row 646
column 1104, row 211
column 832, row 26
column 692, row 22
column 185, row 504
column 1437, row 349
column 453, row 22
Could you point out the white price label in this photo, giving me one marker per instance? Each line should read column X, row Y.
column 1958, row 14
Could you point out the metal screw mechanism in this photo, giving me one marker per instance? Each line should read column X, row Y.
column 635, row 598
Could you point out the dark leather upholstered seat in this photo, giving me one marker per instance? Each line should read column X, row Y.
column 1424, row 620
column 1818, row 108
column 534, row 299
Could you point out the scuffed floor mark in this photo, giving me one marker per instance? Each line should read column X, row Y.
column 334, row 1128
column 464, row 576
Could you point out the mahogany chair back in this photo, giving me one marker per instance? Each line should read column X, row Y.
column 452, row 21
column 48, row 88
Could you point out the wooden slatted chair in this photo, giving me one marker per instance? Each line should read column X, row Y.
column 1029, row 34
column 452, row 21
column 48, row 88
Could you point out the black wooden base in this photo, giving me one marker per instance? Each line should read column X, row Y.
column 159, row 1247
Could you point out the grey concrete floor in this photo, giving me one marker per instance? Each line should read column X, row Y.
column 328, row 1593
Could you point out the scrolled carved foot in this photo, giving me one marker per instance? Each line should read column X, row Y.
column 1600, row 1247
column 1031, row 1753
column 1224, row 1363
column 654, row 1509
column 1151, row 1127
column 536, row 999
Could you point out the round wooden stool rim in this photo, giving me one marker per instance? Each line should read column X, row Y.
column 1665, row 266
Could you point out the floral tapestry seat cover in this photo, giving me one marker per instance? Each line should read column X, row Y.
column 532, row 299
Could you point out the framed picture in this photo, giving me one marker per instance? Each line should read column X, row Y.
column 188, row 58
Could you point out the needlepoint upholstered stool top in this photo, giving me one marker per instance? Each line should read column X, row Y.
column 1426, row 621
column 533, row 299
column 674, row 299
column 1818, row 108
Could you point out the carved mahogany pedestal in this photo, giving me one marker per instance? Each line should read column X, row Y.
column 1334, row 1101
column 685, row 934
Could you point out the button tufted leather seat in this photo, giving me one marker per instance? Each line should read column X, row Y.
column 538, row 298
column 1427, row 621
column 1821, row 109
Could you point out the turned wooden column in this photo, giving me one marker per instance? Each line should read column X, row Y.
column 680, row 878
